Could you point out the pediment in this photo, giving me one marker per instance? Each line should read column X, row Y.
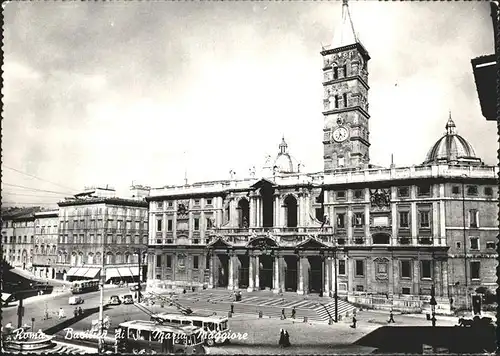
column 219, row 243
column 263, row 182
column 262, row 243
column 311, row 243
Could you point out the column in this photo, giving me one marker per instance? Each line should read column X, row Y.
column 151, row 266
column 276, row 279
column 416, row 268
column 190, row 225
column 349, row 225
column 326, row 274
column 282, row 268
column 277, row 221
column 414, row 223
column 230, row 277
column 251, row 212
column 350, row 275
column 307, row 209
column 258, row 212
column 300, row 209
column 257, row 271
column 236, row 275
column 211, row 270
column 367, row 237
column 251, row 262
column 300, row 268
column 444, row 271
column 390, row 275
column 233, row 211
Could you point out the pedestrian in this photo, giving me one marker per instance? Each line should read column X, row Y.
column 281, row 341
column 61, row 313
column 283, row 316
column 391, row 317
column 232, row 308
column 293, row 313
column 354, row 322
column 75, row 312
column 287, row 339
column 80, row 311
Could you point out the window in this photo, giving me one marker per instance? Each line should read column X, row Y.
column 159, row 205
column 118, row 239
column 424, row 190
column 158, row 225
column 403, row 192
column 473, row 215
column 405, row 269
column 158, row 260
column 169, row 261
column 424, row 219
column 335, row 73
column 209, row 201
column 490, row 245
column 488, row 191
column 426, row 269
column 341, row 220
column 360, row 288
column 404, row 219
column 170, row 203
column 474, row 243
column 344, row 96
column 119, row 224
column 455, row 189
column 110, row 239
column 336, row 101
column 405, row 290
column 360, row 268
column 195, row 262
column 458, row 244
column 380, row 239
column 137, row 225
column 197, row 202
column 342, row 267
column 196, row 224
column 359, row 219
column 341, row 194
column 358, row 194
column 472, row 190
column 475, row 268
column 129, row 225
column 170, row 224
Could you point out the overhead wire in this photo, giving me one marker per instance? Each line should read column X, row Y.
column 36, row 189
column 36, row 177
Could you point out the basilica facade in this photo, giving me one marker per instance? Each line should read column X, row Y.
column 354, row 229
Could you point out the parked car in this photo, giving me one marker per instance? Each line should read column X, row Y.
column 76, row 299
column 127, row 299
column 114, row 300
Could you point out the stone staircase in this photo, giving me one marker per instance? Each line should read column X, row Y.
column 327, row 311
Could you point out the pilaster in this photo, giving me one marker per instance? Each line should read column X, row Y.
column 300, row 267
column 416, row 276
column 236, row 275
column 437, row 277
column 435, row 224
column 257, row 273
column 349, row 224
column 394, row 222
column 230, row 282
column 444, row 272
column 277, row 221
column 252, row 210
column 414, row 221
column 211, row 270
column 326, row 273
column 442, row 223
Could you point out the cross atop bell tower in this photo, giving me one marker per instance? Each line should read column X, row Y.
column 345, row 103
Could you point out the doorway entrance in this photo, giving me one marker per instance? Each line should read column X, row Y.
column 291, row 273
column 243, row 271
column 315, row 274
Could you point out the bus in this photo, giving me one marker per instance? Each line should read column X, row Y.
column 91, row 285
column 140, row 336
column 215, row 326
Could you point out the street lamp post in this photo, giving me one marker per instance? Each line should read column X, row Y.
column 433, row 305
column 101, row 301
column 335, row 295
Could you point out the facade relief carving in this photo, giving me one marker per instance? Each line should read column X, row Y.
column 380, row 198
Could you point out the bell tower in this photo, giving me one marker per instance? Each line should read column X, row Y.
column 345, row 105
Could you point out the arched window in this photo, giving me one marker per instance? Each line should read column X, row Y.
column 243, row 213
column 291, row 211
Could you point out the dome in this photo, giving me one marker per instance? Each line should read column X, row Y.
column 283, row 162
column 452, row 148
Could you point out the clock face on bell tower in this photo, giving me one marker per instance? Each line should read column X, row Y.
column 345, row 111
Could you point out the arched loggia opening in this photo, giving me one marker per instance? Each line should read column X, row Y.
column 291, row 211
column 243, row 213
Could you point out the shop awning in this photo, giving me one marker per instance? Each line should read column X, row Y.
column 81, row 272
column 72, row 271
column 112, row 272
column 92, row 273
column 128, row 271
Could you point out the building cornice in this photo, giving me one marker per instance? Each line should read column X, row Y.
column 103, row 200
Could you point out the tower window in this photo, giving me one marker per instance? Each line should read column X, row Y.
column 342, row 267
column 358, row 194
column 488, row 191
column 336, row 101
column 475, row 268
column 345, row 70
column 473, row 218
column 345, row 99
column 471, row 190
column 424, row 190
column 360, row 268
column 403, row 192
column 474, row 243
column 426, row 269
column 335, row 73
column 341, row 221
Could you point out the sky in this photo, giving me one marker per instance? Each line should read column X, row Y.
column 100, row 93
